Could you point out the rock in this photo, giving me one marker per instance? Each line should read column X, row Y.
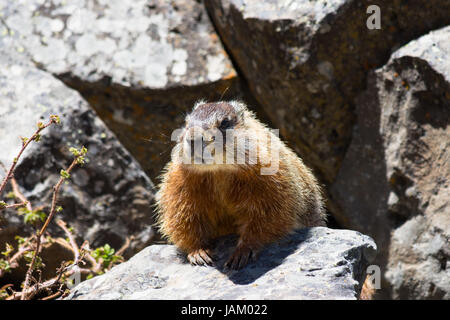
column 107, row 199
column 140, row 44
column 316, row 263
column 141, row 64
column 418, row 265
column 306, row 61
column 394, row 181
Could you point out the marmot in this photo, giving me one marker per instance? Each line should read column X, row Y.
column 197, row 202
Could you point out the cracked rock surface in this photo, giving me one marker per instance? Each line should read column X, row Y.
column 138, row 43
column 320, row 53
column 140, row 64
column 315, row 263
column 107, row 199
column 394, row 181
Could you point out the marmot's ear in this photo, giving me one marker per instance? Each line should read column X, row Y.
column 239, row 107
column 198, row 103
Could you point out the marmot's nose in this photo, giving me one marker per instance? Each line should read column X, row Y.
column 195, row 139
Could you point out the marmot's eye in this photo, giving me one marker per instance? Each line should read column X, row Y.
column 225, row 124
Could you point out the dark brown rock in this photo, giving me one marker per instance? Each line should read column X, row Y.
column 306, row 61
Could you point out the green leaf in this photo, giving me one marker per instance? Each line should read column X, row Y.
column 74, row 151
column 64, row 174
column 32, row 217
column 20, row 240
column 9, row 249
column 29, row 257
column 83, row 151
column 106, row 253
column 10, row 195
column 4, row 265
column 55, row 119
column 22, row 210
column 80, row 160
column 42, row 215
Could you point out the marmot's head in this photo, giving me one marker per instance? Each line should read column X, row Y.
column 210, row 130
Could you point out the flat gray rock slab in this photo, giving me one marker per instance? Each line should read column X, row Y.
column 315, row 263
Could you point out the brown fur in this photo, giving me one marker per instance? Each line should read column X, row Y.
column 367, row 290
column 197, row 204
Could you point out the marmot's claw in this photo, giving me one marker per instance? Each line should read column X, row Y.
column 239, row 258
column 200, row 257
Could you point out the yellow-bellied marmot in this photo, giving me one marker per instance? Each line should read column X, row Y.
column 200, row 199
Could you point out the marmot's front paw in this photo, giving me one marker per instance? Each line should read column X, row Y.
column 200, row 257
column 240, row 258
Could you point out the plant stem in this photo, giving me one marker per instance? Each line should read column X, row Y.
column 44, row 227
column 10, row 173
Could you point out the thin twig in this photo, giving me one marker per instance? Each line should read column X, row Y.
column 10, row 173
column 125, row 245
column 96, row 266
column 35, row 289
column 13, row 260
column 44, row 227
column 19, row 254
column 6, row 286
column 30, row 292
column 19, row 195
column 55, row 197
column 53, row 296
column 15, row 205
column 75, row 249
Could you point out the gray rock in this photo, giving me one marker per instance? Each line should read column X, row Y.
column 394, row 181
column 140, row 64
column 107, row 199
column 138, row 43
column 316, row 263
column 306, row 61
column 419, row 258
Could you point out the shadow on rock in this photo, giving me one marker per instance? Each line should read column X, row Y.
column 268, row 258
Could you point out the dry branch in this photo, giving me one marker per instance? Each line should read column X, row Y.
column 26, row 142
column 44, row 227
